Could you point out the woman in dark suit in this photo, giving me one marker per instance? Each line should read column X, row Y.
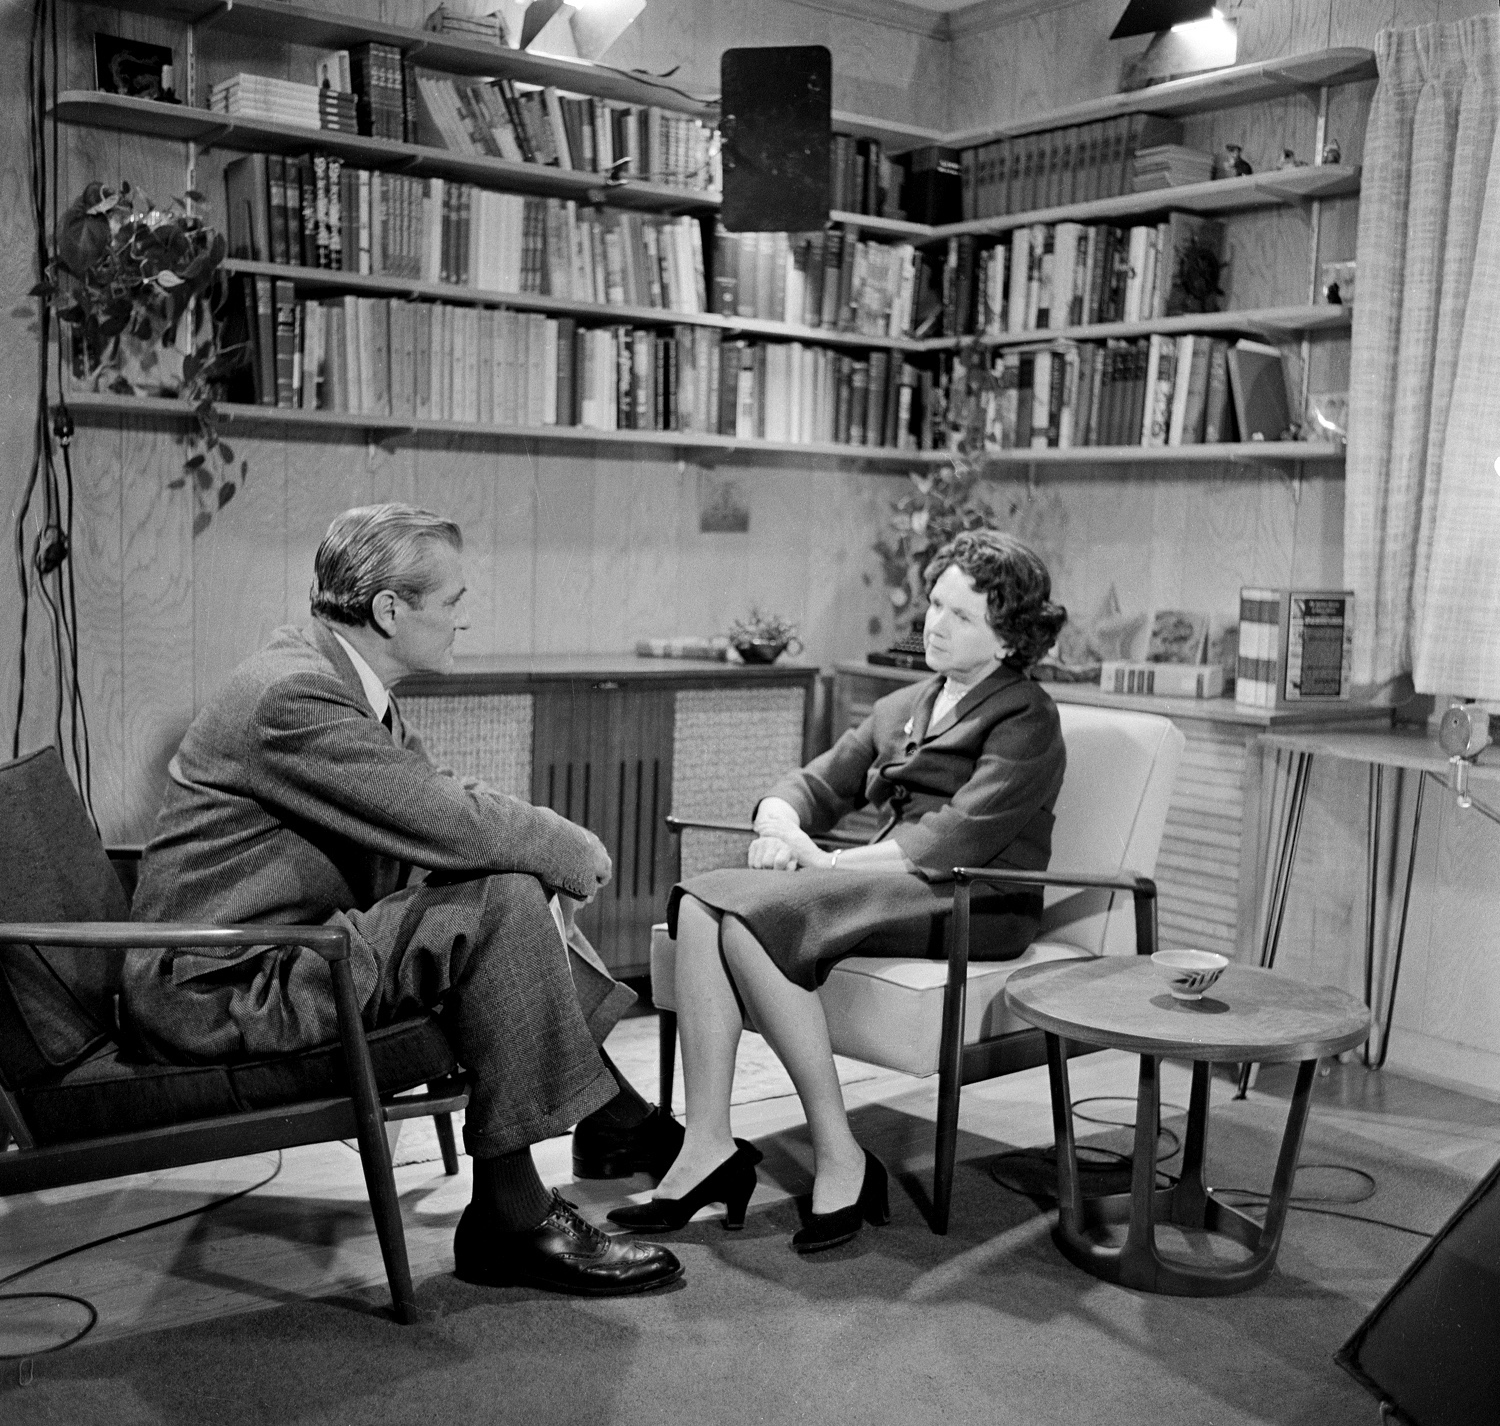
column 965, row 767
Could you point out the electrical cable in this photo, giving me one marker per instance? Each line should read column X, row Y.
column 1108, row 1158
column 43, row 563
column 99, row 1243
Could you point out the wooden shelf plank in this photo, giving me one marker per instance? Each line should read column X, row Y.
column 1218, row 89
column 326, row 29
column 106, row 405
column 897, row 137
column 1268, row 323
column 1227, row 453
column 319, row 279
column 1224, row 195
column 211, row 130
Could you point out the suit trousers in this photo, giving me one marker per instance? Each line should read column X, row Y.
column 524, row 1014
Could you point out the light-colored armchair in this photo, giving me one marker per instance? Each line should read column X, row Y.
column 948, row 1018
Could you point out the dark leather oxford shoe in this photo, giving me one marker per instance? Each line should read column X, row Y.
column 600, row 1151
column 565, row 1253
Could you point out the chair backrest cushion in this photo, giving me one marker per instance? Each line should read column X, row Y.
column 52, row 868
column 1110, row 816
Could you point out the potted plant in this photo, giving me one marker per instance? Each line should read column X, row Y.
column 762, row 638
column 940, row 503
column 140, row 287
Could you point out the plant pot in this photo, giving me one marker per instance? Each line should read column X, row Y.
column 763, row 650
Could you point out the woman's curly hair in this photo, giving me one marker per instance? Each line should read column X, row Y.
column 1016, row 587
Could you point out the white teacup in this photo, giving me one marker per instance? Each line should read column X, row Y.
column 1189, row 973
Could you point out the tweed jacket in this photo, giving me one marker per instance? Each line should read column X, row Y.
column 288, row 801
column 977, row 790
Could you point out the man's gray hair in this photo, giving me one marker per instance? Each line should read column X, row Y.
column 375, row 547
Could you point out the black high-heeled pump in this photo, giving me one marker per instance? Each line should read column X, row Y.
column 731, row 1184
column 873, row 1206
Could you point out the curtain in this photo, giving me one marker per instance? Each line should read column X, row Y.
column 1422, row 511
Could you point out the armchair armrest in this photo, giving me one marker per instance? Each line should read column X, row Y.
column 1141, row 888
column 678, row 825
column 330, row 942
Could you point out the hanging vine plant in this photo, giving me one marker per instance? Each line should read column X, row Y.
column 143, row 293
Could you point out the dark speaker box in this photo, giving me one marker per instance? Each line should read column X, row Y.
column 776, row 123
column 1431, row 1348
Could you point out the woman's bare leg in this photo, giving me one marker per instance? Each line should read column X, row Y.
column 793, row 1023
column 709, row 1022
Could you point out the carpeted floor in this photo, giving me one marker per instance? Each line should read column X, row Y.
column 988, row 1324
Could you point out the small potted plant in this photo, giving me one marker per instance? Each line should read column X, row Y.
column 763, row 638
column 139, row 286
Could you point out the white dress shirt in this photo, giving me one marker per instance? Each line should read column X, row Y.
column 374, row 689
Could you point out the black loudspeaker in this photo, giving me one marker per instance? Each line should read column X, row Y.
column 1430, row 1351
column 777, row 111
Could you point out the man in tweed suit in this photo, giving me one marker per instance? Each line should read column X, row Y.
column 298, row 795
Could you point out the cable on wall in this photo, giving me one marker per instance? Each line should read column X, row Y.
column 43, row 534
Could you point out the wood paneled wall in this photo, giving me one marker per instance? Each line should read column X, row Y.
column 588, row 552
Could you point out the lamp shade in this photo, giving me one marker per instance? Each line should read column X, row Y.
column 1147, row 17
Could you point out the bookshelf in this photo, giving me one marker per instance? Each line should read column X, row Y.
column 460, row 56
column 226, row 131
column 1274, row 189
column 323, row 29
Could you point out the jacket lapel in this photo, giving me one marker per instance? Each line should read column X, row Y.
column 986, row 688
column 322, row 639
column 921, row 713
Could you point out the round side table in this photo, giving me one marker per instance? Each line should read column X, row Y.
column 1120, row 1002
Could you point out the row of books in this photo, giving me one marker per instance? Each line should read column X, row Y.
column 283, row 101
column 862, row 179
column 1054, row 167
column 1152, row 391
column 829, row 280
column 434, row 360
column 1071, row 274
column 316, row 212
column 502, row 119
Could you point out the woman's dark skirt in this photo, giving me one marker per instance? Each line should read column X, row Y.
column 808, row 921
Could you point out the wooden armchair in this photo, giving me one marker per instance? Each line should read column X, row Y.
column 949, row 1017
column 79, row 1106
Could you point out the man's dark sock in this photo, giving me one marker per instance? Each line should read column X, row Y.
column 507, row 1188
column 626, row 1110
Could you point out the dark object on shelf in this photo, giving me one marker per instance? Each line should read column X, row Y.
column 1289, row 159
column 1150, row 17
column 1332, row 153
column 932, row 190
column 909, row 651
column 133, row 67
column 1427, row 1351
column 1199, row 265
column 776, row 126
column 763, row 638
column 1234, row 163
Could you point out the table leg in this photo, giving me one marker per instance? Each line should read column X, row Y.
column 1383, row 1023
column 1300, row 765
column 1137, row 1262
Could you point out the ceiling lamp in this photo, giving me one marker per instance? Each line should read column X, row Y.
column 1188, row 37
column 1149, row 17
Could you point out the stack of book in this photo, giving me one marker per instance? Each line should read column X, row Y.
column 1152, row 391
column 432, row 360
column 527, row 124
column 487, row 28
column 1168, row 166
column 862, row 179
column 1046, row 276
column 283, row 101
column 315, row 211
column 379, row 83
column 829, row 280
column 1058, row 166
column 1296, row 646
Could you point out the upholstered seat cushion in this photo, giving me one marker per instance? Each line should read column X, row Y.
column 108, row 1094
column 889, row 1011
column 53, row 868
